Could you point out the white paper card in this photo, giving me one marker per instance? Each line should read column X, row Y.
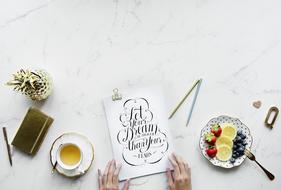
column 138, row 126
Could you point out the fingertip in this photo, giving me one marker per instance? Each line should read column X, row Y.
column 108, row 163
column 171, row 157
column 126, row 185
column 168, row 173
column 119, row 165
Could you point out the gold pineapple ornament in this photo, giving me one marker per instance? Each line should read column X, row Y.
column 36, row 84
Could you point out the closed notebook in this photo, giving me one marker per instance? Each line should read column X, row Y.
column 32, row 131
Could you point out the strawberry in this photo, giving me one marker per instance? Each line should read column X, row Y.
column 212, row 151
column 216, row 130
column 210, row 138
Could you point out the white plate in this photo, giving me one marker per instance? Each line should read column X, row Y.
column 221, row 120
column 86, row 148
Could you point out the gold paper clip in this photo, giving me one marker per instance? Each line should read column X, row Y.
column 116, row 95
column 272, row 110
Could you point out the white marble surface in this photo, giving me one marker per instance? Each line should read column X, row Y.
column 93, row 46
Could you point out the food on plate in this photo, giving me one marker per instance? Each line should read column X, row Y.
column 211, row 151
column 216, row 130
column 224, row 153
column 224, row 140
column 210, row 138
column 229, row 130
column 225, row 143
column 239, row 145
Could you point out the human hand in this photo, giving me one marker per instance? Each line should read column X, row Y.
column 109, row 179
column 181, row 177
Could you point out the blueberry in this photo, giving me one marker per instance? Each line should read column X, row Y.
column 243, row 136
column 239, row 132
column 240, row 150
column 238, row 139
column 234, row 141
column 239, row 145
column 234, row 147
column 244, row 143
column 232, row 160
column 235, row 156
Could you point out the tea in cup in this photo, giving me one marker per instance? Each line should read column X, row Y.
column 69, row 156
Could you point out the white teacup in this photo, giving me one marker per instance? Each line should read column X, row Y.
column 69, row 156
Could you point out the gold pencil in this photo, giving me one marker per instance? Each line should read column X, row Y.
column 183, row 99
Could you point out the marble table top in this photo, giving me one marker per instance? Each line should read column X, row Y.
column 93, row 46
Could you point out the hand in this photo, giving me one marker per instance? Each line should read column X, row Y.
column 109, row 179
column 181, row 178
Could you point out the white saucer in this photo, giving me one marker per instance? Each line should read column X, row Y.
column 86, row 148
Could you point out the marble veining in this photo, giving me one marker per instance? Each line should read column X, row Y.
column 92, row 46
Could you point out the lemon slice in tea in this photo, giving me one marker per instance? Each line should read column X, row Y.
column 224, row 153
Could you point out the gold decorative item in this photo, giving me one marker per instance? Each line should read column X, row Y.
column 257, row 104
column 271, row 116
column 36, row 84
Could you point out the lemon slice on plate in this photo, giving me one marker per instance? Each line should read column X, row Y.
column 229, row 130
column 224, row 140
column 224, row 153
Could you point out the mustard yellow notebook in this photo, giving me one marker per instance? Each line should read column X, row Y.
column 32, row 131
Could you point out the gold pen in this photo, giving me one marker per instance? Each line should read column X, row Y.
column 8, row 146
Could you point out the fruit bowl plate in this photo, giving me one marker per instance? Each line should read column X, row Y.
column 241, row 129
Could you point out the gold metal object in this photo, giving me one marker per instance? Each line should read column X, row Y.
column 116, row 95
column 253, row 158
column 272, row 110
column 183, row 99
column 54, row 167
column 8, row 145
